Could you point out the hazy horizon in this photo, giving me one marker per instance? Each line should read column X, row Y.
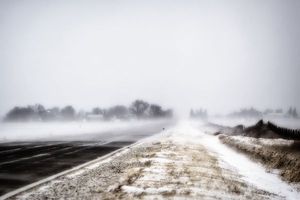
column 217, row 55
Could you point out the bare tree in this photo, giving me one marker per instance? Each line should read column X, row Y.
column 138, row 108
column 119, row 111
column 156, row 111
column 97, row 111
column 20, row 114
column 68, row 113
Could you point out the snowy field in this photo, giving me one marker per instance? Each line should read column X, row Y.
column 67, row 131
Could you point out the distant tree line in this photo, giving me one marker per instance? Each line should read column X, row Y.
column 292, row 112
column 247, row 113
column 199, row 113
column 254, row 113
column 139, row 109
column 272, row 111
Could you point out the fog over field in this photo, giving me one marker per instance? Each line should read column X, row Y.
column 77, row 131
column 220, row 55
column 150, row 99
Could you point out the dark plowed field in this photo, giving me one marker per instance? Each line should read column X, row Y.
column 24, row 163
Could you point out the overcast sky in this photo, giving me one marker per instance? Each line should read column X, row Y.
column 221, row 55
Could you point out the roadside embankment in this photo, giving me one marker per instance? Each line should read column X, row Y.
column 280, row 154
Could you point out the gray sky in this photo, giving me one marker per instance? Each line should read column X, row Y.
column 221, row 55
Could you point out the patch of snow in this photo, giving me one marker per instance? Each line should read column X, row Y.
column 133, row 190
column 76, row 173
column 152, row 191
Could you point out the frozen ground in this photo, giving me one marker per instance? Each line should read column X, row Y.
column 179, row 163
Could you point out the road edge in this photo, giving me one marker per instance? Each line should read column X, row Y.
column 79, row 167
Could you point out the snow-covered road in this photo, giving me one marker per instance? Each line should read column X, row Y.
column 179, row 163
